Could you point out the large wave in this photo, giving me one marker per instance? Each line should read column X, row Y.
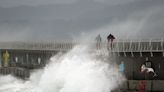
column 79, row 70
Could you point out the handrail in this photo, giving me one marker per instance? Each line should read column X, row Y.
column 120, row 45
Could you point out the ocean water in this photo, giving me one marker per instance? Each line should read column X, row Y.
column 79, row 70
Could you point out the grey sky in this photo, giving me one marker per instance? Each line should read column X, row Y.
column 16, row 3
column 67, row 19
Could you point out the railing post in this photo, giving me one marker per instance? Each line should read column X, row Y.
column 162, row 47
column 139, row 48
column 130, row 47
column 162, row 43
column 139, row 43
column 0, row 59
column 27, row 58
column 151, row 48
column 124, row 48
column 118, row 48
column 132, row 55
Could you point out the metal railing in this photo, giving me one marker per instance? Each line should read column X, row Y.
column 139, row 46
column 144, row 45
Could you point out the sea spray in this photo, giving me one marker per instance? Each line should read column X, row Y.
column 79, row 70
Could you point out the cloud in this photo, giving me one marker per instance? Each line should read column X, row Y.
column 15, row 34
column 142, row 24
column 16, row 3
column 115, row 2
column 143, row 19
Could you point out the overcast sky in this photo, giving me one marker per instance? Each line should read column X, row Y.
column 33, row 20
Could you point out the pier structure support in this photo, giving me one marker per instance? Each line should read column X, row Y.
column 0, row 59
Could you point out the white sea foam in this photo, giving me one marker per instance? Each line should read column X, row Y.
column 78, row 70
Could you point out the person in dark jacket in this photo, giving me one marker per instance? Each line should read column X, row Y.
column 149, row 63
column 110, row 39
column 149, row 69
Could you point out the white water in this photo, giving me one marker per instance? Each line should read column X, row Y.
column 79, row 70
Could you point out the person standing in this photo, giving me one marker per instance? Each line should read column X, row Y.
column 6, row 57
column 149, row 65
column 110, row 39
column 122, row 67
column 98, row 42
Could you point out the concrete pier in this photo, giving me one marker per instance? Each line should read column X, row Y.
column 33, row 55
column 15, row 71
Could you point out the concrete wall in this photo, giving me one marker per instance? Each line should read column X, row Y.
column 28, row 59
column 133, row 86
column 15, row 71
column 133, row 65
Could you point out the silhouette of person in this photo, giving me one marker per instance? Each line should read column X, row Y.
column 110, row 39
column 98, row 42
